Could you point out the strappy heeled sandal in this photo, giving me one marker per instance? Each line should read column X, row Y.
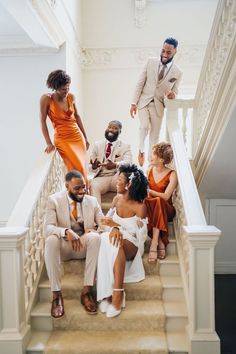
column 151, row 258
column 161, row 253
column 111, row 310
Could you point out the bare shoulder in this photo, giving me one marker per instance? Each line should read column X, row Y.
column 115, row 201
column 141, row 210
column 45, row 99
column 173, row 174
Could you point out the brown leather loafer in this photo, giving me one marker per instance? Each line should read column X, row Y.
column 89, row 304
column 57, row 309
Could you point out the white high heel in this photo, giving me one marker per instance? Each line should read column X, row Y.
column 103, row 306
column 111, row 310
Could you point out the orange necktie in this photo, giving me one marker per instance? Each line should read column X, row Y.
column 74, row 210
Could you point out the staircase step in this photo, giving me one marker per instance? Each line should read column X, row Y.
column 77, row 266
column 170, row 266
column 138, row 315
column 99, row 342
column 176, row 316
column 172, row 289
column 38, row 342
column 177, row 342
column 148, row 289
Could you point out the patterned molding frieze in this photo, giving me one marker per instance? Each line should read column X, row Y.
column 140, row 13
column 95, row 58
column 52, row 3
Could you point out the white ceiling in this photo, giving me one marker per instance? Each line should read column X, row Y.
column 12, row 34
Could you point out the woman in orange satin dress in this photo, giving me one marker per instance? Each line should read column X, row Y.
column 160, row 210
column 69, row 135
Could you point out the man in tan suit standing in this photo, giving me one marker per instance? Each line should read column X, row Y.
column 159, row 79
column 107, row 155
column 71, row 217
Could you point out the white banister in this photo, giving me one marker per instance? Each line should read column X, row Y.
column 195, row 243
column 14, row 331
column 46, row 178
column 216, row 70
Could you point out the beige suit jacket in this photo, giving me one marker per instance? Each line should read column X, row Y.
column 120, row 154
column 149, row 88
column 57, row 218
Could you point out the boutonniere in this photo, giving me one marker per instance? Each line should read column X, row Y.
column 173, row 79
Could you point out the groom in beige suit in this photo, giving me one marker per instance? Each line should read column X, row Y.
column 106, row 157
column 70, row 222
column 160, row 79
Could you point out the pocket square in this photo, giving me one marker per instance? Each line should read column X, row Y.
column 173, row 79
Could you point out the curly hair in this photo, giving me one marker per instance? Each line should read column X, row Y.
column 138, row 182
column 164, row 151
column 57, row 79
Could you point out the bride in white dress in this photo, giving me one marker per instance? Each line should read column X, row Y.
column 122, row 246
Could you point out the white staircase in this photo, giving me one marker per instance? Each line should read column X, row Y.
column 153, row 321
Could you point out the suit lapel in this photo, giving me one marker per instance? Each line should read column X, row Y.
column 85, row 212
column 65, row 212
column 113, row 153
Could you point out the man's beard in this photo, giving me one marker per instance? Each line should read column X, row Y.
column 75, row 198
column 167, row 62
column 111, row 138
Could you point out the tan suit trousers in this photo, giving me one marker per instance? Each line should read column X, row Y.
column 101, row 185
column 150, row 122
column 57, row 249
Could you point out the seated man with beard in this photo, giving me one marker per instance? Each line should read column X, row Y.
column 107, row 155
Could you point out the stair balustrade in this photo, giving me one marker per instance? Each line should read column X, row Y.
column 195, row 243
column 22, row 252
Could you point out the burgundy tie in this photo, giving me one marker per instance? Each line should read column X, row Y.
column 108, row 150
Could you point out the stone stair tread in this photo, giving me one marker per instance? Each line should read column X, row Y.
column 170, row 258
column 175, row 309
column 177, row 342
column 38, row 341
column 144, row 307
column 99, row 342
column 137, row 315
column 171, row 282
column 151, row 286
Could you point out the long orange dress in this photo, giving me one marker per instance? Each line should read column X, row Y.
column 68, row 138
column 159, row 211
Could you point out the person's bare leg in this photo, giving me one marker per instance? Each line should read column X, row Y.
column 152, row 257
column 126, row 252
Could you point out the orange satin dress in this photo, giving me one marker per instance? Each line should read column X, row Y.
column 159, row 211
column 68, row 138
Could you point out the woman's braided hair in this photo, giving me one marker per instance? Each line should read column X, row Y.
column 138, row 182
column 57, row 79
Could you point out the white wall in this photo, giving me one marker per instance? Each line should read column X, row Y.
column 23, row 81
column 222, row 214
column 116, row 50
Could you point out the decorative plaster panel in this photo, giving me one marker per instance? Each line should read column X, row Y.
column 94, row 58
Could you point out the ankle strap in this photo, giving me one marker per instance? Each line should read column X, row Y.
column 118, row 289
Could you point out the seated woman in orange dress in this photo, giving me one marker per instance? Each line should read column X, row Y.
column 160, row 210
column 69, row 135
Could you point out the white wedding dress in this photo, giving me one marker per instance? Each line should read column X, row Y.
column 134, row 270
